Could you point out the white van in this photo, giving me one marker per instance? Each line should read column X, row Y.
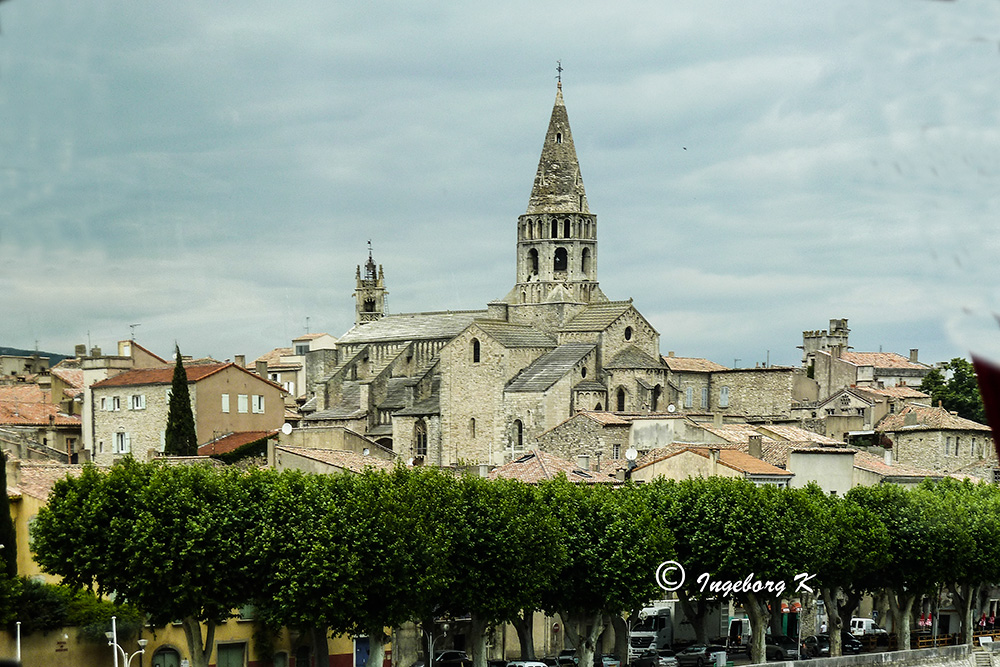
column 866, row 626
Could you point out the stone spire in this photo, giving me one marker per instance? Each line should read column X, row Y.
column 558, row 185
column 370, row 292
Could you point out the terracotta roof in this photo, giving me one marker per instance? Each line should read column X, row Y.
column 71, row 376
column 37, row 479
column 339, row 458
column 901, row 391
column 23, row 393
column 273, row 358
column 927, row 419
column 537, row 466
column 310, row 336
column 735, row 433
column 731, row 458
column 232, row 441
column 875, row 464
column 799, row 434
column 34, row 414
column 165, row 375
column 607, row 418
column 881, row 360
column 692, row 365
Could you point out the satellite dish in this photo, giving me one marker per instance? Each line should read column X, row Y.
column 671, row 408
column 365, row 452
column 286, row 428
column 409, row 461
column 631, row 454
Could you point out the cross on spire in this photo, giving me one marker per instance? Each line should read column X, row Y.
column 559, row 71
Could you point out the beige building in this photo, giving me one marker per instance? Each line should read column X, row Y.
column 130, row 409
column 935, row 439
column 710, row 462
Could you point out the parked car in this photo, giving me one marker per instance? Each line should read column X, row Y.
column 653, row 657
column 818, row 646
column 700, row 655
column 866, row 626
column 569, row 657
column 448, row 658
column 526, row 663
column 781, row 647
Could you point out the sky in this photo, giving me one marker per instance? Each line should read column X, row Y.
column 213, row 172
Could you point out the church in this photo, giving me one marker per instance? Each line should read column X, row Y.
column 479, row 387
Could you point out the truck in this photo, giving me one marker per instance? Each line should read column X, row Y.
column 662, row 624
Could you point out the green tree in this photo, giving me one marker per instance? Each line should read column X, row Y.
column 174, row 541
column 180, row 438
column 614, row 543
column 959, row 392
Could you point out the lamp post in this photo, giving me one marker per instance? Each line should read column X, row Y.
column 113, row 641
column 430, row 643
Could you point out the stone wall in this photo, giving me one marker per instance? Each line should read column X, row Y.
column 754, row 391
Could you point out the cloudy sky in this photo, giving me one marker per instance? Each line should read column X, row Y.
column 213, row 171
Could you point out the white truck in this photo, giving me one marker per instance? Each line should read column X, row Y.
column 662, row 623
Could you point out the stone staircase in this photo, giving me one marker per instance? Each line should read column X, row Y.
column 982, row 659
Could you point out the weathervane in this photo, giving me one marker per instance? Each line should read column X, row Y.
column 559, row 71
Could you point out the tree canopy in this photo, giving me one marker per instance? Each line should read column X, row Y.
column 956, row 388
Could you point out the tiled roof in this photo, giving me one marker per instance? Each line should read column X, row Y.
column 232, row 441
column 875, row 464
column 37, row 479
column 735, row 433
column 927, row 419
column 273, row 358
column 537, row 466
column 692, row 365
column 901, row 391
column 607, row 418
column 731, row 458
column 71, row 376
column 23, row 393
column 310, row 336
column 515, row 335
column 633, row 357
column 598, row 317
column 34, row 414
column 412, row 326
column 161, row 375
column 349, row 406
column 799, row 434
column 589, row 385
column 339, row 458
column 881, row 360
column 550, row 368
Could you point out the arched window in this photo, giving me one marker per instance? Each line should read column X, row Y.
column 528, row 229
column 533, row 262
column 555, row 228
column 558, row 137
column 420, row 438
column 559, row 261
column 518, row 435
column 621, row 399
column 369, row 306
column 472, row 427
column 585, row 262
column 475, row 350
column 657, row 391
column 566, row 233
column 598, row 407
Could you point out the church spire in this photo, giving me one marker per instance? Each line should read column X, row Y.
column 558, row 186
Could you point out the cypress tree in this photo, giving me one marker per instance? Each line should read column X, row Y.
column 8, row 538
column 180, row 438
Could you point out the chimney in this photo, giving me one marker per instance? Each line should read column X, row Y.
column 241, row 360
column 835, row 351
column 887, row 457
column 755, row 446
column 713, row 455
column 913, row 355
column 95, row 352
column 261, row 368
column 80, row 351
column 583, row 462
column 670, row 354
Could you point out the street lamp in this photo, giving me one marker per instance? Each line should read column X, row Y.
column 113, row 641
column 430, row 642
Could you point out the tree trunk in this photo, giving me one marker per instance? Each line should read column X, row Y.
column 477, row 636
column 321, row 647
column 376, row 648
column 758, row 626
column 200, row 651
column 620, row 625
column 834, row 621
column 697, row 612
column 900, row 607
column 964, row 595
column 525, row 627
column 585, row 641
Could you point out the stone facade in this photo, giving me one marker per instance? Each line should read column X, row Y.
column 938, row 440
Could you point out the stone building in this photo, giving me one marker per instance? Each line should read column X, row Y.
column 936, row 439
column 480, row 386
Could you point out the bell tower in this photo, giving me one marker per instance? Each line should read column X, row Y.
column 370, row 292
column 557, row 235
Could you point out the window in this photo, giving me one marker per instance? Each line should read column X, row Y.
column 585, row 262
column 532, row 262
column 420, row 438
column 137, row 402
column 123, row 443
column 566, row 232
column 475, row 350
column 555, row 229
column 301, row 349
column 688, row 397
column 111, row 403
column 242, row 404
column 628, row 333
column 289, row 386
column 258, row 404
column 616, row 451
column 472, row 427
column 947, row 445
column 621, row 399
column 518, row 434
column 655, row 403
column 559, row 261
column 972, row 448
column 724, row 397
column 558, row 137
column 225, row 403
column 230, row 655
column 957, row 439
column 704, row 398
